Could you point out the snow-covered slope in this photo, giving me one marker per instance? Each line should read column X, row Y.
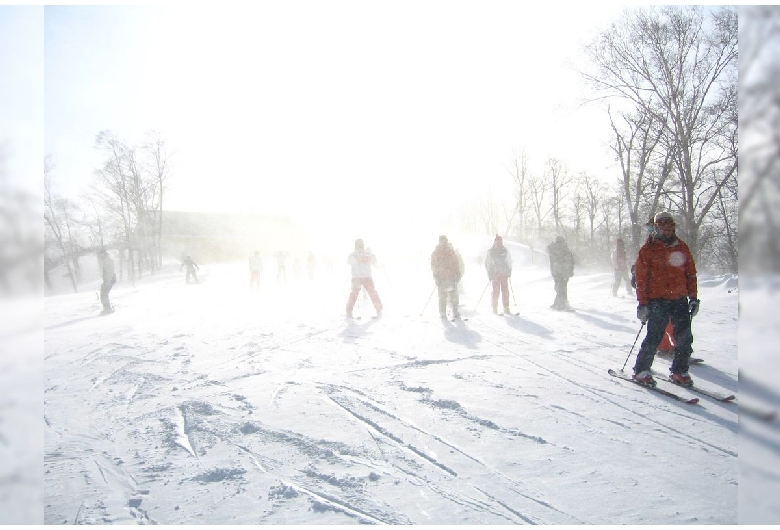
column 214, row 403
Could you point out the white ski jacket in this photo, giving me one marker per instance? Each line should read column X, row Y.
column 361, row 262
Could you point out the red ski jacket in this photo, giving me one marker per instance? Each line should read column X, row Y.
column 665, row 271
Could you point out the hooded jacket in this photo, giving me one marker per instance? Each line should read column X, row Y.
column 665, row 271
column 498, row 262
column 444, row 263
column 109, row 273
column 561, row 259
column 361, row 261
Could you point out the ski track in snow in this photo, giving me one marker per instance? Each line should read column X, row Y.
column 216, row 422
column 699, row 440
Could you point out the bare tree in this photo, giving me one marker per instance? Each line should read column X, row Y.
column 113, row 188
column 635, row 144
column 488, row 214
column 539, row 185
column 560, row 179
column 57, row 219
column 675, row 64
column 522, row 192
column 593, row 192
column 142, row 192
column 159, row 168
column 578, row 209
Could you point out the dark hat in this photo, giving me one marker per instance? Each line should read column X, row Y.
column 619, row 240
column 359, row 244
column 663, row 216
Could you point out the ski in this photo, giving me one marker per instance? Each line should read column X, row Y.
column 623, row 376
column 714, row 395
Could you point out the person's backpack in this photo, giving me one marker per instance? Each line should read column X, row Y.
column 633, row 276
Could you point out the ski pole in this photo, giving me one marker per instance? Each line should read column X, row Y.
column 426, row 303
column 512, row 290
column 480, row 296
column 632, row 346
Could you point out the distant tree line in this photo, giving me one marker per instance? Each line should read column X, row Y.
column 667, row 77
column 122, row 210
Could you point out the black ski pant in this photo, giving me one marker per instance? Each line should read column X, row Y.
column 191, row 272
column 448, row 289
column 105, row 288
column 660, row 312
column 561, row 292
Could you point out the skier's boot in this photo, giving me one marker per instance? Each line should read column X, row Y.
column 682, row 379
column 644, row 378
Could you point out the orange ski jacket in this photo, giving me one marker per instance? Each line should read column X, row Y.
column 665, row 271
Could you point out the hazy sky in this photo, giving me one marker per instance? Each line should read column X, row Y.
column 344, row 113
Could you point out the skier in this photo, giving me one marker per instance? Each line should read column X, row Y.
column 447, row 273
column 561, row 268
column 255, row 269
column 666, row 347
column 311, row 264
column 666, row 288
column 191, row 268
column 621, row 268
column 281, row 267
column 498, row 263
column 361, row 261
column 109, row 279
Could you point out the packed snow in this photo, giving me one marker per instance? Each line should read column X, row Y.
column 216, row 403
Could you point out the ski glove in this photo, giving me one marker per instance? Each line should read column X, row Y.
column 693, row 306
column 642, row 313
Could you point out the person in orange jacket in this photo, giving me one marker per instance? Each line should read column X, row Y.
column 667, row 341
column 666, row 289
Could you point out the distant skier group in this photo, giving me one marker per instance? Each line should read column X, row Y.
column 666, row 287
column 664, row 277
column 447, row 268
